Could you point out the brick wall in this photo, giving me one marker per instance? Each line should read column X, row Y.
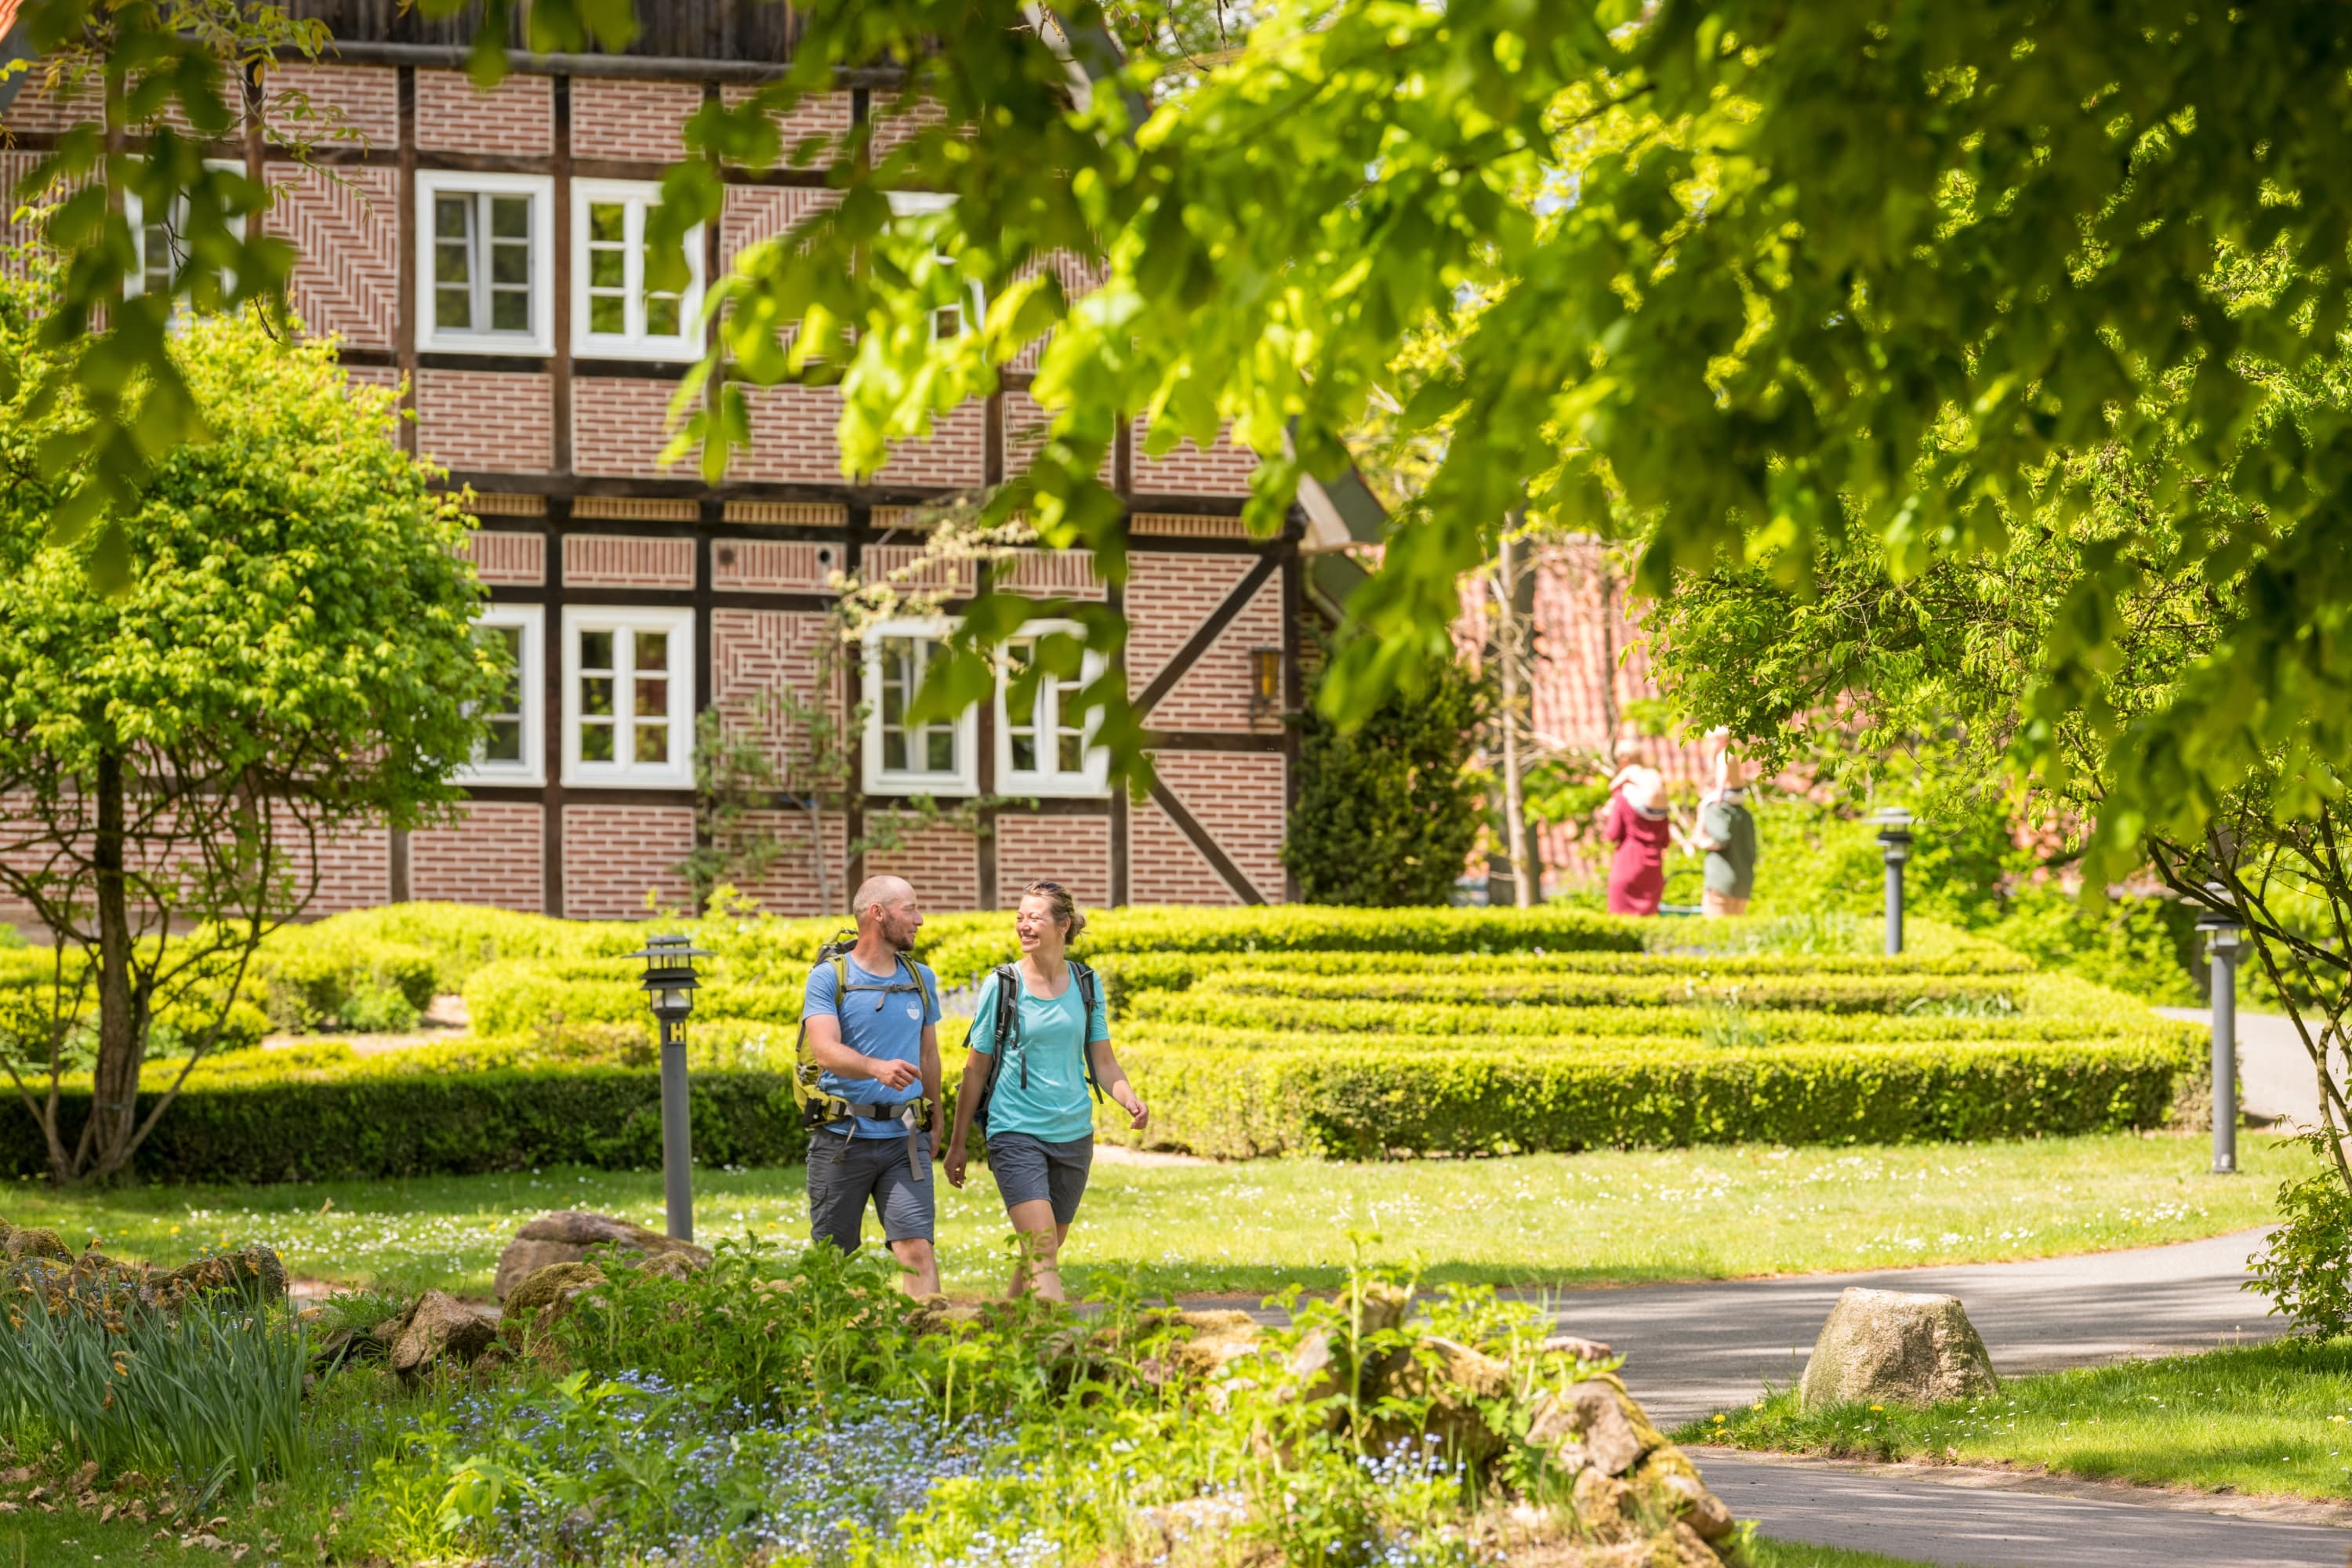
column 640, row 122
column 1079, row 277
column 941, row 861
column 1162, row 865
column 516, row 118
column 1026, row 428
column 755, row 214
column 494, row 854
column 1072, row 850
column 1055, row 573
column 620, row 425
column 1238, row 798
column 506, row 558
column 492, row 420
column 621, row 560
column 354, row 868
column 368, row 98
column 825, row 115
column 789, row 886
column 345, row 226
column 43, row 105
column 895, row 125
column 773, row 566
column 1215, row 694
column 612, row 853
column 1222, row 471
column 1168, row 597
column 757, row 651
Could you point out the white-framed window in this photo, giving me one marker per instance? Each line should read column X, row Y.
column 485, row 262
column 628, row 696
column 948, row 321
column 1043, row 746
column 614, row 313
column 160, row 238
column 513, row 749
column 913, row 759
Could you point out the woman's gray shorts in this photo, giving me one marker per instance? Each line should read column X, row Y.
column 1028, row 1169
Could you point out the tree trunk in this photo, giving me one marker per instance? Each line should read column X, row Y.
column 815, row 809
column 1507, row 635
column 121, row 1036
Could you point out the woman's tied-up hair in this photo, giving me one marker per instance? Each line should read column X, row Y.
column 1065, row 908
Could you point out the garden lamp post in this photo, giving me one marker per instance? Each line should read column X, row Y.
column 669, row 982
column 2225, row 940
column 1895, row 842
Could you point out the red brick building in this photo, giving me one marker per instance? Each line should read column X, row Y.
column 481, row 251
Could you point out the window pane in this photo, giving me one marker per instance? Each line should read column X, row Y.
column 606, row 313
column 653, row 742
column 938, row 741
column 947, row 321
column 595, row 650
column 652, row 697
column 596, row 697
column 607, row 269
column 510, row 310
column 1025, row 752
column 504, row 743
column 894, row 751
column 1073, row 758
column 510, row 217
column 653, row 650
column 453, row 307
column 510, row 264
column 155, row 258
column 596, row 742
column 449, row 264
column 661, row 315
column 451, row 217
column 608, row 222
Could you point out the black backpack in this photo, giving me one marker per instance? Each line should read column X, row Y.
column 1007, row 1037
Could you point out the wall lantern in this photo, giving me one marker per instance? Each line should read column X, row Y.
column 1265, row 683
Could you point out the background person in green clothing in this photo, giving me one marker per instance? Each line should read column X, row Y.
column 1041, row 1114
column 1728, row 834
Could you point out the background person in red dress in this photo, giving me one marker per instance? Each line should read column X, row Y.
column 1638, row 825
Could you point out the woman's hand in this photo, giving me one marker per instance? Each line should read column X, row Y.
column 1138, row 1114
column 955, row 1164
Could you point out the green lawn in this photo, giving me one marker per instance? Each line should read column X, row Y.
column 1251, row 1229
column 2266, row 1420
column 1763, row 1554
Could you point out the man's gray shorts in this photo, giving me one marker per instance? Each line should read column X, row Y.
column 1028, row 1168
column 841, row 1180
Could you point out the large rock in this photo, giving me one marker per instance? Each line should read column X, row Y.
column 569, row 1236
column 1894, row 1348
column 437, row 1328
column 253, row 1272
column 1594, row 1424
column 34, row 1241
column 540, row 1302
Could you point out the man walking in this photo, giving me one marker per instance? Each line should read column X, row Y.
column 1728, row 834
column 869, row 1019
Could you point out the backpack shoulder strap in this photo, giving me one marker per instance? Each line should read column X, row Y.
column 1085, row 979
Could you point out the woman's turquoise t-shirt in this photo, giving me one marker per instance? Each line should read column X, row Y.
column 1056, row 1105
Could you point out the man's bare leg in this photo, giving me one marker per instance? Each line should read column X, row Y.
column 918, row 1266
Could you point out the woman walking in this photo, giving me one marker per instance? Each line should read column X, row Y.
column 1040, row 1054
column 1642, row 831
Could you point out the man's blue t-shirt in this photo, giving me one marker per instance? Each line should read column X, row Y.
column 885, row 1024
column 1056, row 1105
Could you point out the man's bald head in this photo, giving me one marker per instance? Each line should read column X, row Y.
column 887, row 905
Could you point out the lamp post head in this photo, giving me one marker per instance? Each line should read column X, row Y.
column 2224, row 933
column 1894, row 833
column 669, row 978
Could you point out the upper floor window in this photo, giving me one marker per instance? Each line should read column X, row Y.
column 614, row 309
column 951, row 319
column 486, row 267
column 1044, row 746
column 160, row 238
column 628, row 696
column 904, row 758
column 512, row 749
